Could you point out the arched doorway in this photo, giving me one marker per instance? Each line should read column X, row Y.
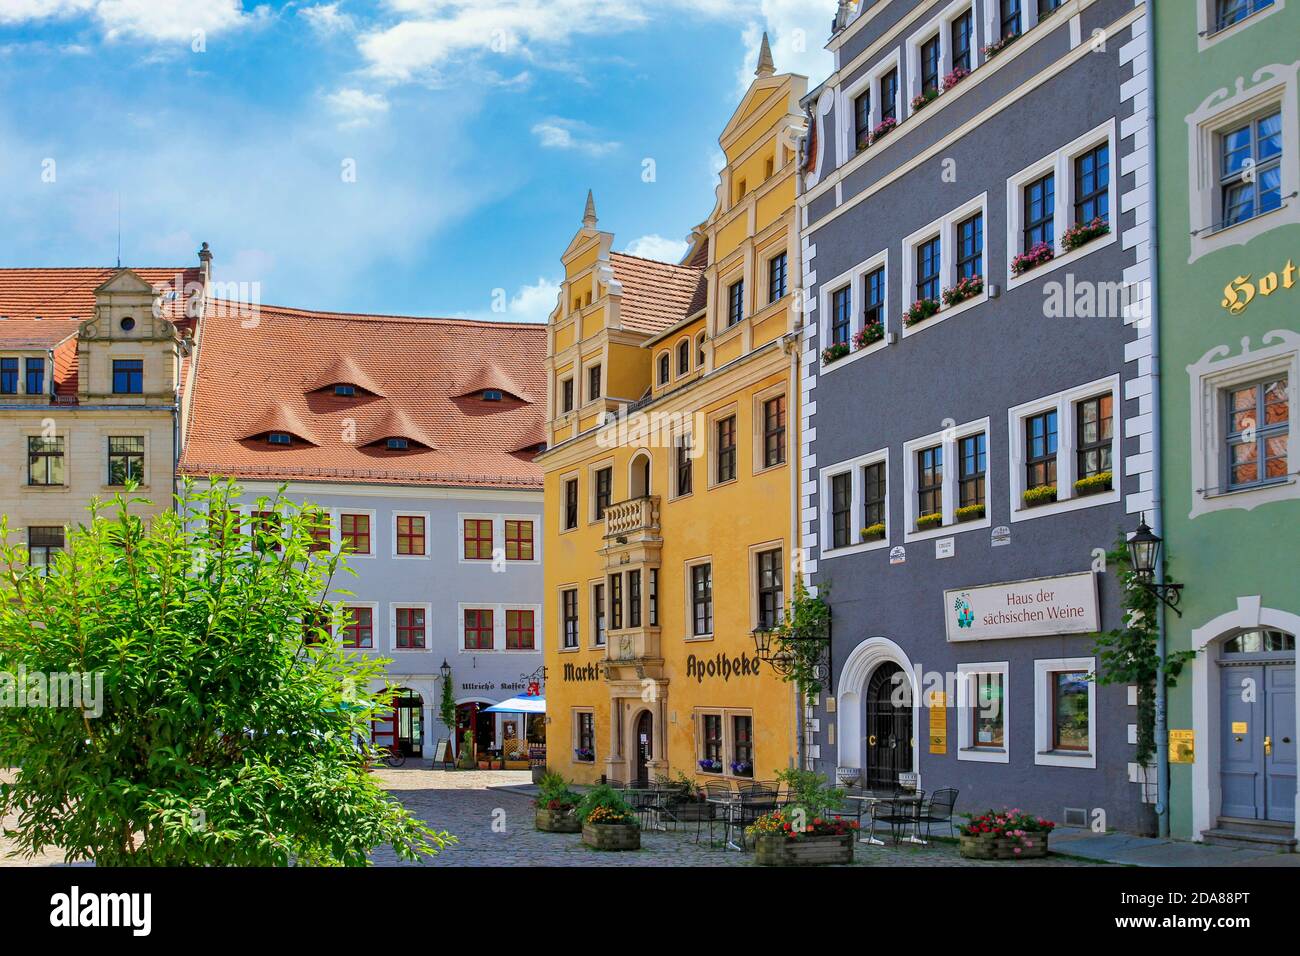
column 638, row 476
column 644, row 747
column 888, row 726
column 1257, row 726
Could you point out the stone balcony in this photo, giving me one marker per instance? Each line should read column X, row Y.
column 634, row 520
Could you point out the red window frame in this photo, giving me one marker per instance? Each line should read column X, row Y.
column 410, row 535
column 359, row 631
column 474, row 539
column 521, row 627
column 320, row 532
column 266, row 523
column 411, row 622
column 519, row 540
column 478, row 629
column 354, row 530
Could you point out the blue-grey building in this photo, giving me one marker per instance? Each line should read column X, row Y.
column 977, row 397
column 417, row 437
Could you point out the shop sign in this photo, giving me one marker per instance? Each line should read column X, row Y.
column 1059, row 605
column 722, row 665
column 898, row 555
column 581, row 673
column 938, row 722
column 1182, row 746
column 1241, row 291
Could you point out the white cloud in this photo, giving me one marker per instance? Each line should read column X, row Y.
column 162, row 21
column 357, row 107
column 557, row 133
column 325, row 18
column 657, row 247
column 531, row 303
column 797, row 31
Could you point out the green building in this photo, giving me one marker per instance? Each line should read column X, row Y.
column 1228, row 356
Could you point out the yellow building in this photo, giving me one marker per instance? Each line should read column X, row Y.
column 670, row 478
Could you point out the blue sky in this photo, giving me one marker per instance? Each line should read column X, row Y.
column 475, row 128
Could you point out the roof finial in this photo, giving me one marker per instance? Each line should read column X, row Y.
column 765, row 65
column 589, row 214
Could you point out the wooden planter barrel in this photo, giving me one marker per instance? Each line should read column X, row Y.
column 557, row 821
column 775, row 849
column 986, row 846
column 611, row 836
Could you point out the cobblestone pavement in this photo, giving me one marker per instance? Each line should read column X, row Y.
column 495, row 828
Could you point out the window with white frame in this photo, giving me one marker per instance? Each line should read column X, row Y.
column 1063, row 448
column 1061, row 207
column 664, row 368
column 409, row 624
column 598, row 610
column 584, row 736
column 943, row 263
column 983, row 727
column 724, row 741
column 870, row 105
column 1244, row 426
column 853, row 307
column 1218, row 19
column 1065, row 712
column 411, row 535
column 699, row 598
column 568, row 619
column 855, row 504
column 935, row 489
column 941, row 52
column 1245, row 161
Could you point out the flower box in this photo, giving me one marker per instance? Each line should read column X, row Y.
column 518, row 765
column 926, row 522
column 1032, row 258
column 955, row 77
column 742, row 768
column 612, row 836
column 776, row 849
column 1084, row 233
column 873, row 532
column 919, row 311
column 883, row 129
column 833, row 353
column 1042, row 495
column 986, row 846
column 584, row 755
column 970, row 513
column 710, row 766
column 868, row 335
column 966, row 288
column 557, row 821
column 1094, row 484
column 922, row 100
column 993, row 49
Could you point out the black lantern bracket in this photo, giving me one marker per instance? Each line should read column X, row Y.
column 1144, row 557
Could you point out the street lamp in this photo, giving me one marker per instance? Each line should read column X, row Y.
column 762, row 640
column 1144, row 557
column 445, row 669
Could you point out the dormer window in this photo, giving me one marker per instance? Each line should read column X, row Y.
column 491, row 395
column 345, row 391
column 397, row 444
column 279, row 438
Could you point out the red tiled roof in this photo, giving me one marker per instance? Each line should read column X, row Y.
column 40, row 308
column 656, row 295
column 423, row 370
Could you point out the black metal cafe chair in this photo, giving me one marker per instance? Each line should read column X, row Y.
column 939, row 809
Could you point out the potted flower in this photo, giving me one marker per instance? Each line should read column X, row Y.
column 873, row 532
column 608, row 822
column 808, row 832
column 955, row 77
column 966, row 288
column 556, row 806
column 742, row 768
column 1005, row 835
column 970, row 513
column 1094, row 484
column 1032, row 258
column 1083, row 233
column 833, row 353
column 685, row 799
column 919, row 311
column 1043, row 494
column 584, row 754
column 924, row 99
column 926, row 522
column 883, row 128
column 864, row 140
column 708, row 765
column 869, row 334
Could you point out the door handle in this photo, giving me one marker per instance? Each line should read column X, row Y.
column 1268, row 746
column 872, row 740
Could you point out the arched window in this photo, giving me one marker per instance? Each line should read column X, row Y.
column 663, row 369
column 683, row 356
column 699, row 350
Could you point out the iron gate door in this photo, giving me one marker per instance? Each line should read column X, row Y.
column 889, row 727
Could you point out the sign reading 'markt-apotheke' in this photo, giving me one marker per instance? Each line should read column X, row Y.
column 1060, row 605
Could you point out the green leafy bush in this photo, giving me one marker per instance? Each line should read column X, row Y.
column 553, row 792
column 232, row 728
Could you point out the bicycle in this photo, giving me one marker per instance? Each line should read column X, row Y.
column 394, row 757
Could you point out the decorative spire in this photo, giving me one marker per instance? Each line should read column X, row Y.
column 589, row 214
column 765, row 65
